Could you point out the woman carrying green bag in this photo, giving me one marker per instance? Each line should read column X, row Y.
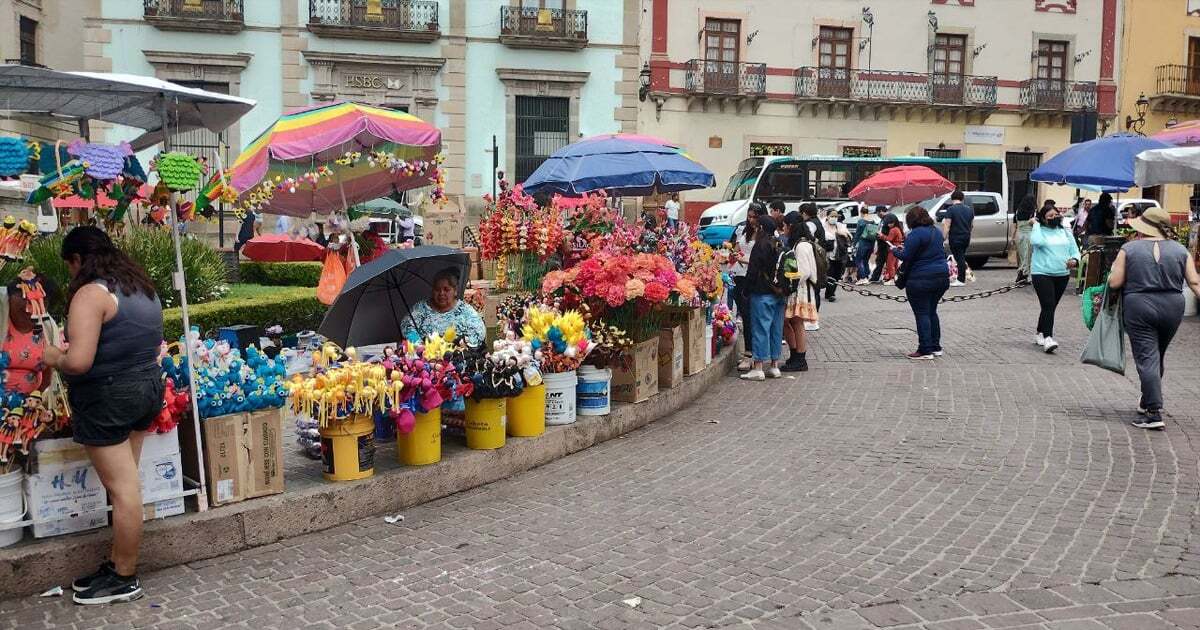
column 1151, row 271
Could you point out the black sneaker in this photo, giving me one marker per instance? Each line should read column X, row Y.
column 84, row 583
column 111, row 589
column 1152, row 420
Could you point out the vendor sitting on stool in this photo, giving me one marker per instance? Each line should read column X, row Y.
column 443, row 309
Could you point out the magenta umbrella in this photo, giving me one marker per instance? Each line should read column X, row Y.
column 323, row 158
column 1184, row 134
column 901, row 184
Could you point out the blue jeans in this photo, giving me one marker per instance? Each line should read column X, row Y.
column 862, row 261
column 923, row 296
column 766, row 325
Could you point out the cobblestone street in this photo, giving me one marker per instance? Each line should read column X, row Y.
column 996, row 487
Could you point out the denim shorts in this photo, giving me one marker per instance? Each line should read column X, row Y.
column 105, row 410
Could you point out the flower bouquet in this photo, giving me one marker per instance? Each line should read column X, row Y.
column 520, row 237
column 560, row 341
column 724, row 328
column 705, row 272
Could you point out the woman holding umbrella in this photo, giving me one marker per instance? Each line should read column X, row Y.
column 443, row 310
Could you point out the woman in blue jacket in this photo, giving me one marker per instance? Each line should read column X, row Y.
column 1055, row 254
column 928, row 279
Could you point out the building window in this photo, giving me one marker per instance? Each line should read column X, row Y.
column 770, row 148
column 1020, row 165
column 949, row 66
column 862, row 152
column 202, row 142
column 942, row 153
column 1194, row 202
column 543, row 124
column 833, row 61
column 721, row 40
column 828, row 181
column 28, row 41
column 542, row 4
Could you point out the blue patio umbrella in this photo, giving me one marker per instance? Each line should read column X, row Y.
column 620, row 165
column 1104, row 164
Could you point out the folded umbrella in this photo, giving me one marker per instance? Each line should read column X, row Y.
column 901, row 184
column 379, row 295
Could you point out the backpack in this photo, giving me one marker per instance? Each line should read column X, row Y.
column 870, row 232
column 785, row 264
column 822, row 258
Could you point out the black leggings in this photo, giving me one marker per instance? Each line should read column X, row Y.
column 1049, row 291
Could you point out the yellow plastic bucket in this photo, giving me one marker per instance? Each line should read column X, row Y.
column 527, row 412
column 485, row 423
column 423, row 445
column 348, row 448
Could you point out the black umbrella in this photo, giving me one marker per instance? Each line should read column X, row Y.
column 378, row 296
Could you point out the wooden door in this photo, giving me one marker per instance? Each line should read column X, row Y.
column 833, row 61
column 721, row 50
column 1051, row 83
column 949, row 55
column 1193, row 66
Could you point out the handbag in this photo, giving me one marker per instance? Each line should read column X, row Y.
column 1106, row 344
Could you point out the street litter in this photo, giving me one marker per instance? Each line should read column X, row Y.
column 632, row 602
column 392, row 520
column 57, row 591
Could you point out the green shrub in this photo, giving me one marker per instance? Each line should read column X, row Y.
column 293, row 274
column 294, row 308
column 203, row 267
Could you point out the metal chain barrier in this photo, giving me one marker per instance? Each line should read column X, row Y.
column 847, row 286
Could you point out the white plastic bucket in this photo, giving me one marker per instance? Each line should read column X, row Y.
column 12, row 507
column 592, row 392
column 708, row 344
column 560, row 397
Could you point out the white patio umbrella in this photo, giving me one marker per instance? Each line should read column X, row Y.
column 158, row 107
column 1178, row 165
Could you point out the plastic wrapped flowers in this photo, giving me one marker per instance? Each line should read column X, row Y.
column 560, row 341
column 723, row 325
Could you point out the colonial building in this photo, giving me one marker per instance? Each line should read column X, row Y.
column 533, row 74
column 1160, row 79
column 969, row 78
column 41, row 32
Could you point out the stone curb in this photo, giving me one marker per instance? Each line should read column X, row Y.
column 32, row 568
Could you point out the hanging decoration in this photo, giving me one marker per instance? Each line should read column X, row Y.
column 14, row 157
column 179, row 171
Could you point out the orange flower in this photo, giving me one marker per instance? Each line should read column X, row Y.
column 686, row 289
column 634, row 289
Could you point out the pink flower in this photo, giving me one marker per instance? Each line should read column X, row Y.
column 634, row 289
column 656, row 292
column 614, row 294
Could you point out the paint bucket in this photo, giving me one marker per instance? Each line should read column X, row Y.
column 527, row 412
column 422, row 445
column 593, row 392
column 12, row 507
column 485, row 423
column 560, row 397
column 708, row 344
column 348, row 448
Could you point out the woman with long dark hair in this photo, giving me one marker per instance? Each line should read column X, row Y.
column 114, row 326
column 801, row 306
column 766, row 304
column 1022, row 227
column 1055, row 255
column 928, row 279
column 1152, row 272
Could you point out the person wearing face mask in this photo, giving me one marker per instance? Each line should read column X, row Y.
column 837, row 244
column 1055, row 255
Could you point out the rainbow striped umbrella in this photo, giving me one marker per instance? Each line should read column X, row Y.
column 329, row 157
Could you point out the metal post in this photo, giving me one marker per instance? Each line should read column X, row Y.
column 173, row 212
column 495, row 166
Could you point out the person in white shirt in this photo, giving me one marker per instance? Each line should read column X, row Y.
column 742, row 242
column 672, row 208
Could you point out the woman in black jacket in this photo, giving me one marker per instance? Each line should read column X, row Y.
column 766, row 305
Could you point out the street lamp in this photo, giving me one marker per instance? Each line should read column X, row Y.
column 1140, row 107
column 868, row 18
column 644, row 82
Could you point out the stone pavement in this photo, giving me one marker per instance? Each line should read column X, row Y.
column 997, row 487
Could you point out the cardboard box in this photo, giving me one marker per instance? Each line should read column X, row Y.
column 670, row 358
column 225, row 457
column 161, row 467
column 635, row 378
column 693, row 322
column 265, row 472
column 162, row 509
column 63, row 493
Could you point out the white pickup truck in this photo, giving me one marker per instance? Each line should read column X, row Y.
column 989, row 233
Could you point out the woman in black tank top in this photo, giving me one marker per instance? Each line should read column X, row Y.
column 114, row 327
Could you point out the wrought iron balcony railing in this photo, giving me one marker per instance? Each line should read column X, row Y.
column 1058, row 95
column 725, row 78
column 194, row 15
column 399, row 20
column 887, row 86
column 524, row 27
column 1177, row 80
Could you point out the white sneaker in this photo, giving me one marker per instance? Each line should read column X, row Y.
column 753, row 375
column 1040, row 340
column 810, row 326
column 956, row 283
column 889, row 283
column 774, row 373
column 862, row 282
column 1050, row 346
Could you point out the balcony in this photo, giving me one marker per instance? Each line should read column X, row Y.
column 543, row 28
column 392, row 20
column 1177, row 89
column 212, row 16
column 1057, row 96
column 725, row 79
column 885, row 87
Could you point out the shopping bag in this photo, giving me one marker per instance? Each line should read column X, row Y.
column 953, row 267
column 333, row 277
column 1012, row 254
column 1090, row 303
column 1106, row 344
